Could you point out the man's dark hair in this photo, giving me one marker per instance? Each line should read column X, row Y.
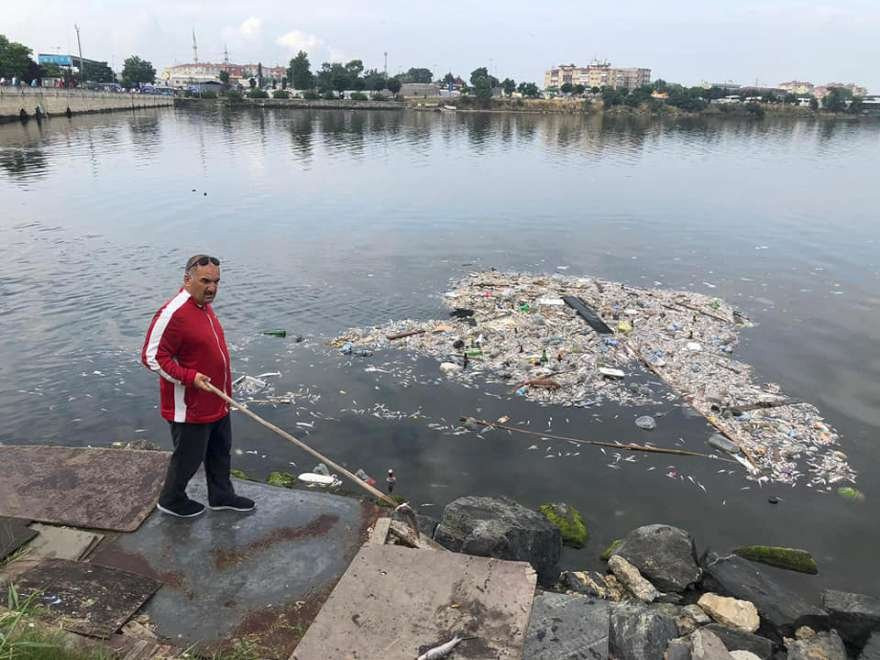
column 199, row 260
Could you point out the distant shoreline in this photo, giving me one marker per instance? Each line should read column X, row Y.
column 531, row 107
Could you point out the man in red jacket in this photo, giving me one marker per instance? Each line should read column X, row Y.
column 186, row 347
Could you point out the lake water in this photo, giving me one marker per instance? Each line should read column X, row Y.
column 329, row 220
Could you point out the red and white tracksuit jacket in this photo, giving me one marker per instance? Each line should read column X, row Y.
column 184, row 339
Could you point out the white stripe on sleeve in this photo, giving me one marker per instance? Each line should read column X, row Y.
column 156, row 335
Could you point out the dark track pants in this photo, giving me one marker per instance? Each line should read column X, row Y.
column 195, row 444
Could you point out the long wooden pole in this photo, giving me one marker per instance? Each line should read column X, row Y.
column 597, row 443
column 375, row 492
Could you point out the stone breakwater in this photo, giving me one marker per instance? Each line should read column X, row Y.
column 659, row 598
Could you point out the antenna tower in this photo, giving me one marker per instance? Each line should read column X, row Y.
column 225, row 55
column 195, row 48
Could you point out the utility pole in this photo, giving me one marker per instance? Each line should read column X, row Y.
column 386, row 65
column 195, row 49
column 82, row 70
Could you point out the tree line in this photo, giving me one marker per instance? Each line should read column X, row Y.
column 352, row 76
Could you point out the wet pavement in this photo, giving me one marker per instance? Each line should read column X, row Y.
column 254, row 579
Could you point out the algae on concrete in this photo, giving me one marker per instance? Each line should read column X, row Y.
column 282, row 479
column 239, row 474
column 790, row 558
column 605, row 556
column 569, row 521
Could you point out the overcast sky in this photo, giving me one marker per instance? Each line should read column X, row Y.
column 680, row 40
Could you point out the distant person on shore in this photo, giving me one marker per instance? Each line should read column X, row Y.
column 186, row 347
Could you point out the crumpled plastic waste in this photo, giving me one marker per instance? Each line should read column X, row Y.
column 684, row 338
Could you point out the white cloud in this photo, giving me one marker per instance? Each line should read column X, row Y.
column 295, row 40
column 250, row 27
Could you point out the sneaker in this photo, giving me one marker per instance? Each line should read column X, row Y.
column 234, row 503
column 184, row 509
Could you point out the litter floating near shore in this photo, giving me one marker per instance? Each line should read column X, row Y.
column 509, row 328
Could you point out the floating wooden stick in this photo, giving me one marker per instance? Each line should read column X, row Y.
column 631, row 446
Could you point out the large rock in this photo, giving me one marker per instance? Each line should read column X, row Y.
column 854, row 616
column 499, row 527
column 629, row 576
column 638, row 633
column 731, row 612
column 872, row 648
column 564, row 626
column 706, row 646
column 737, row 640
column 743, row 655
column 590, row 583
column 678, row 649
column 816, row 646
column 665, row 555
column 780, row 609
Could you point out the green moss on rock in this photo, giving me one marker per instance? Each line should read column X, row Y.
column 790, row 558
column 400, row 499
column 282, row 479
column 239, row 474
column 851, row 493
column 605, row 556
column 569, row 521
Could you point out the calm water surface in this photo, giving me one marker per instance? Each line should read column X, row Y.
column 330, row 220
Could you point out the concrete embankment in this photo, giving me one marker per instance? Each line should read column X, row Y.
column 26, row 102
column 299, row 104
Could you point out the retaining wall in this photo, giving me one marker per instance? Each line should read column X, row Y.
column 34, row 101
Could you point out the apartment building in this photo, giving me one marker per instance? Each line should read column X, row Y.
column 597, row 74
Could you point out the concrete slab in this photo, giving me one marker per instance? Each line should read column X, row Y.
column 259, row 577
column 60, row 543
column 396, row 602
column 113, row 489
column 88, row 599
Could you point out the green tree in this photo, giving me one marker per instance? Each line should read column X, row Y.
column 374, row 80
column 836, row 99
column 611, row 97
column 814, row 104
column 595, row 90
column 509, row 86
column 98, row 72
column 790, row 99
column 340, row 77
column 579, row 89
column 857, row 105
column 393, row 86
column 448, row 79
column 299, row 73
column 52, row 70
column 482, row 73
column 566, row 88
column 417, row 75
column 528, row 89
column 15, row 58
column 354, row 69
column 136, row 71
column 224, row 78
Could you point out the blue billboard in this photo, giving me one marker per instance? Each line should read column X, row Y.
column 60, row 60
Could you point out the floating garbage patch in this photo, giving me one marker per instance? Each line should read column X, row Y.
column 570, row 341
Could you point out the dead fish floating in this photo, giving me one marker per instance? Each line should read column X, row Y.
column 444, row 649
